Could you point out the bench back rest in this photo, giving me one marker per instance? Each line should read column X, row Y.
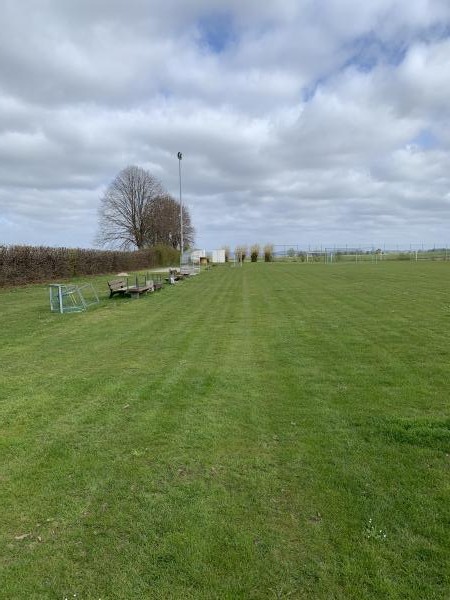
column 117, row 284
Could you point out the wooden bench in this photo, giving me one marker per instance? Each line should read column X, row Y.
column 154, row 285
column 118, row 286
column 136, row 291
column 175, row 275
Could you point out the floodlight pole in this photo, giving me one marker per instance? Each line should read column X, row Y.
column 180, row 157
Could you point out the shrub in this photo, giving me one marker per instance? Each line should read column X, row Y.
column 240, row 252
column 268, row 253
column 254, row 253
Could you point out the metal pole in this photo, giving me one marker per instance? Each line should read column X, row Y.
column 60, row 298
column 180, row 156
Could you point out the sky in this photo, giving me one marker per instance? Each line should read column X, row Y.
column 309, row 122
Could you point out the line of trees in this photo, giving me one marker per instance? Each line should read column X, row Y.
column 241, row 252
column 137, row 212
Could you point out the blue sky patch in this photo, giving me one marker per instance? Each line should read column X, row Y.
column 435, row 33
column 309, row 92
column 426, row 140
column 369, row 50
column 217, row 31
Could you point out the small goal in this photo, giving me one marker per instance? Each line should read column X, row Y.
column 71, row 298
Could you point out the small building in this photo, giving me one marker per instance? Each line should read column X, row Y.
column 197, row 255
column 218, row 256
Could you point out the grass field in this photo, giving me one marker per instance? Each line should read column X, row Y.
column 275, row 431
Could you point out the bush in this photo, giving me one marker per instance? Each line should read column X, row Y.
column 240, row 252
column 254, row 253
column 268, row 253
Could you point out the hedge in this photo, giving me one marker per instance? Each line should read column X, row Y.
column 32, row 264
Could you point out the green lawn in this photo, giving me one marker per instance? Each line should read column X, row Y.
column 272, row 431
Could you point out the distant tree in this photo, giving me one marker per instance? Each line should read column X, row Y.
column 268, row 253
column 241, row 252
column 136, row 211
column 164, row 223
column 227, row 253
column 254, row 252
column 291, row 253
column 124, row 208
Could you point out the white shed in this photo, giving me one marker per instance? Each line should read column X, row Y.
column 197, row 254
column 218, row 256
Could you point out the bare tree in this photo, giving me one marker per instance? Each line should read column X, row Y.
column 241, row 252
column 227, row 253
column 164, row 223
column 268, row 252
column 125, row 208
column 254, row 252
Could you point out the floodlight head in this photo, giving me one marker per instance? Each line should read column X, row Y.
column 180, row 156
